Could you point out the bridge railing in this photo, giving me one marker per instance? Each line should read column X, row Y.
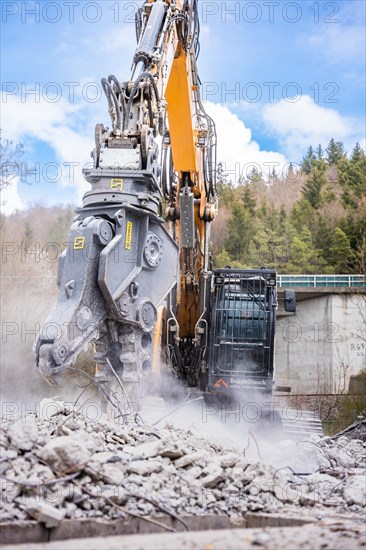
column 313, row 281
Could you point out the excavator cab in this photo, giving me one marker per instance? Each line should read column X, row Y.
column 242, row 337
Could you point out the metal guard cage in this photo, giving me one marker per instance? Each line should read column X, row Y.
column 244, row 313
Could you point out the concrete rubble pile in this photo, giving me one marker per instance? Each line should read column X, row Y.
column 68, row 466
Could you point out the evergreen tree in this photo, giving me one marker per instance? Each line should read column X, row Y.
column 254, row 176
column 254, row 256
column 274, row 240
column 223, row 259
column 261, row 242
column 354, row 226
column 358, row 169
column 240, row 232
column 308, row 161
column 226, row 193
column 315, row 183
column 357, row 177
column 282, row 218
column 319, row 152
column 344, row 180
column 263, row 210
column 303, row 214
column 340, row 254
column 304, row 256
column 357, row 155
column 248, row 199
column 322, row 234
column 335, row 152
column 352, row 177
column 288, row 233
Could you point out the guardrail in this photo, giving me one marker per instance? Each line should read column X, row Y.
column 313, row 281
column 310, row 281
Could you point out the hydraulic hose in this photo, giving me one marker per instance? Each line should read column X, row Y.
column 113, row 104
column 133, row 92
column 114, row 79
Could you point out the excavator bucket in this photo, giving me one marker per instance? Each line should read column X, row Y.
column 119, row 265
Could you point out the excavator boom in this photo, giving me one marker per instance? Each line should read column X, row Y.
column 142, row 232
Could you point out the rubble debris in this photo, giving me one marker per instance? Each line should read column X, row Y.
column 66, row 465
column 357, row 430
column 23, row 434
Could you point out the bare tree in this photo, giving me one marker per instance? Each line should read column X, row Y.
column 10, row 160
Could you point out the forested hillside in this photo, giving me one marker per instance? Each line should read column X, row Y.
column 312, row 220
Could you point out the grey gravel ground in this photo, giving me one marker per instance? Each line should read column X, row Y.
column 68, row 466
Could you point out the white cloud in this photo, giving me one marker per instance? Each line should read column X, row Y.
column 303, row 123
column 60, row 125
column 10, row 200
column 338, row 43
column 236, row 149
column 68, row 128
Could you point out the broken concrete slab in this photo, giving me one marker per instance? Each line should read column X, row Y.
column 148, row 449
column 189, row 459
column 68, row 453
column 355, row 490
column 44, row 512
column 144, row 467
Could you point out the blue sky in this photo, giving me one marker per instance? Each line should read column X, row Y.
column 276, row 76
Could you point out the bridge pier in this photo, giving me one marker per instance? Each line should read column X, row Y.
column 323, row 344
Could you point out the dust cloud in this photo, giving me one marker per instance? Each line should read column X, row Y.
column 247, row 423
column 25, row 306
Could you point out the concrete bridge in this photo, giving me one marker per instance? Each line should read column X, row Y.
column 323, row 344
